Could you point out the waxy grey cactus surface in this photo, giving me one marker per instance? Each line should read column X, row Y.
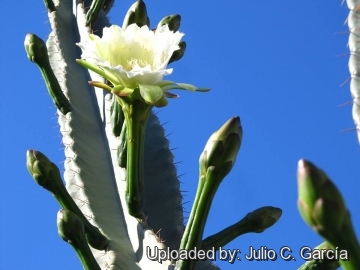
column 353, row 22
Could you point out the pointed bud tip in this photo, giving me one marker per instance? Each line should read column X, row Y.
column 230, row 126
column 33, row 155
column 137, row 13
column 302, row 163
column 173, row 21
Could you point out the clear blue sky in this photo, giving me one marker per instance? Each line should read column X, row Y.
column 273, row 63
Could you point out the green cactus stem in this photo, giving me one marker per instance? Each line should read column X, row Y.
column 256, row 221
column 122, row 148
column 93, row 12
column 117, row 117
column 71, row 230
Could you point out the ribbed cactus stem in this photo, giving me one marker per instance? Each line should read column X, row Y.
column 354, row 61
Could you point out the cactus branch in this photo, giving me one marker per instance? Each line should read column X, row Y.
column 93, row 12
column 354, row 63
column 117, row 117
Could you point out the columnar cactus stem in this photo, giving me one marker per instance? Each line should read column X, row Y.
column 93, row 12
column 354, row 62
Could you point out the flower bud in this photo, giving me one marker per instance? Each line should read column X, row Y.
column 256, row 221
column 70, row 227
column 178, row 54
column 72, row 230
column 41, row 169
column 263, row 218
column 222, row 147
column 173, row 21
column 320, row 202
column 35, row 49
column 137, row 13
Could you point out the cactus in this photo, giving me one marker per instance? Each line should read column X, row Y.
column 96, row 217
column 354, row 63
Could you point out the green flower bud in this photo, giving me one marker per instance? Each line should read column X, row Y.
column 263, row 218
column 173, row 21
column 320, row 202
column 70, row 227
column 41, row 169
column 35, row 49
column 137, row 13
column 256, row 221
column 178, row 54
column 222, row 147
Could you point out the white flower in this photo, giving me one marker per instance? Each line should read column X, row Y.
column 132, row 56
